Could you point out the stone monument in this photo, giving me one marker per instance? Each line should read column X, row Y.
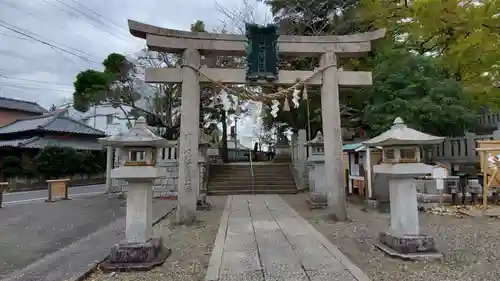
column 140, row 250
column 401, row 159
column 318, row 198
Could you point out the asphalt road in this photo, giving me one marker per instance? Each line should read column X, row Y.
column 41, row 195
column 29, row 232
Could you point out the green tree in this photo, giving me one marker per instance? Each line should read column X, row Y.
column 115, row 85
column 92, row 162
column 11, row 167
column 418, row 89
column 463, row 35
column 313, row 18
column 52, row 162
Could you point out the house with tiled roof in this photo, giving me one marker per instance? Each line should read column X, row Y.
column 52, row 129
column 13, row 109
column 25, row 137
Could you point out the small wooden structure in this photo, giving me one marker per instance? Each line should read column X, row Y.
column 358, row 162
column 490, row 171
column 58, row 189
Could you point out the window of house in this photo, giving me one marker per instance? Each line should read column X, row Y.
column 109, row 119
column 407, row 154
column 389, row 154
column 356, row 158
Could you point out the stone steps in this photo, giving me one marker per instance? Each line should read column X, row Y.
column 237, row 179
column 256, row 177
column 249, row 182
column 249, row 185
column 250, row 191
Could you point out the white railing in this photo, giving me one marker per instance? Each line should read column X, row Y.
column 169, row 153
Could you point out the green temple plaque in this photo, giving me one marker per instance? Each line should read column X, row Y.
column 262, row 52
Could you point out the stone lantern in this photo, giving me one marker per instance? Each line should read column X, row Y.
column 318, row 197
column 204, row 145
column 282, row 149
column 400, row 165
column 138, row 147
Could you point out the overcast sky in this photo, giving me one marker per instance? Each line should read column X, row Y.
column 100, row 30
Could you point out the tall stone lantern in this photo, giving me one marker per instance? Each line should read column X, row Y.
column 139, row 147
column 318, row 198
column 204, row 145
column 401, row 163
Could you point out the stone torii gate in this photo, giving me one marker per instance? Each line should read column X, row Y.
column 192, row 45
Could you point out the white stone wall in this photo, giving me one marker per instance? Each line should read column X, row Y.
column 96, row 117
column 168, row 185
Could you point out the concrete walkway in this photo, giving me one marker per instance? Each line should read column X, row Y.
column 262, row 238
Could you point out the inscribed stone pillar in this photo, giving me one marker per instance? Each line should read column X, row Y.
column 109, row 167
column 139, row 212
column 330, row 113
column 189, row 175
column 404, row 207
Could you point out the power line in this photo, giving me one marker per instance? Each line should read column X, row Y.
column 5, row 25
column 33, row 80
column 99, row 15
column 34, row 88
column 36, row 16
column 121, row 29
column 17, row 7
column 83, row 18
column 54, row 43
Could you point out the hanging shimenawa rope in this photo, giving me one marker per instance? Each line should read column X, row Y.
column 251, row 96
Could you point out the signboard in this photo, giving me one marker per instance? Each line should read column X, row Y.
column 213, row 152
column 58, row 189
column 439, row 173
column 261, row 52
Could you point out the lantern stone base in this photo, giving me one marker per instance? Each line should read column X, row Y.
column 136, row 256
column 317, row 201
column 409, row 247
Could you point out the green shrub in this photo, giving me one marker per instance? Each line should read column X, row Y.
column 11, row 167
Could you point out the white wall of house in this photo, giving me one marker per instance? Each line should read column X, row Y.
column 103, row 117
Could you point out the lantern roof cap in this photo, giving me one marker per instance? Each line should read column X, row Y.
column 317, row 141
column 400, row 134
column 138, row 136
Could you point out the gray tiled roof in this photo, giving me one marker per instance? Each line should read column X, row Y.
column 42, row 142
column 54, row 122
column 21, row 105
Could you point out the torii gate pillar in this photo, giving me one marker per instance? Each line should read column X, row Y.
column 330, row 115
column 189, row 171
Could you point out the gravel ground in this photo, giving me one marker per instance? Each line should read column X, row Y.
column 191, row 249
column 471, row 246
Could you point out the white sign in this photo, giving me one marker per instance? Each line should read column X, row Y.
column 439, row 172
column 213, row 152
